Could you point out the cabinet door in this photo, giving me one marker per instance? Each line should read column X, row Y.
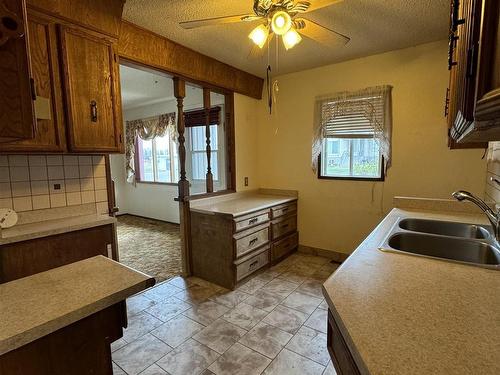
column 49, row 130
column 16, row 101
column 91, row 92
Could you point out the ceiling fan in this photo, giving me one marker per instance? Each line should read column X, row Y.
column 281, row 18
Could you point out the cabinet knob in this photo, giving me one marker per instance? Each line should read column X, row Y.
column 93, row 111
column 11, row 25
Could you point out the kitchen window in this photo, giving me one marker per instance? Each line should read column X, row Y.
column 353, row 135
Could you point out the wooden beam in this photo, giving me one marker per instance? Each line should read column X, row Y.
column 207, row 106
column 145, row 47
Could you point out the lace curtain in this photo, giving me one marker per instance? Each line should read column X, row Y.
column 146, row 129
column 373, row 104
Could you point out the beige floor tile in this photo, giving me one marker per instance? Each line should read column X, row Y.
column 196, row 293
column 220, row 335
column 290, row 363
column 161, row 292
column 118, row 344
column 139, row 325
column 190, row 358
column 312, row 287
column 206, row 312
column 140, row 354
column 252, row 286
column 301, row 302
column 330, row 370
column 310, row 344
column 177, row 330
column 117, row 370
column 264, row 300
column 318, row 320
column 154, row 370
column 280, row 287
column 138, row 303
column 244, row 316
column 168, row 309
column 180, row 282
column 287, row 319
column 324, row 305
column 230, row 298
column 294, row 276
column 207, row 372
column 266, row 339
column 240, row 360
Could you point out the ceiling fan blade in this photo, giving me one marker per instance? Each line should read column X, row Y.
column 318, row 4
column 320, row 33
column 258, row 53
column 219, row 21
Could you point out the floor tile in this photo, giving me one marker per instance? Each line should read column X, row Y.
column 190, row 358
column 290, row 363
column 280, row 287
column 139, row 325
column 161, row 292
column 168, row 309
column 230, row 298
column 239, row 360
column 266, row 339
column 301, row 302
column 286, row 319
column 244, row 316
column 220, row 335
column 117, row 370
column 196, row 293
column 312, row 287
column 207, row 372
column 310, row 344
column 177, row 330
column 318, row 320
column 264, row 300
column 206, row 312
column 252, row 285
column 330, row 370
column 118, row 344
column 138, row 303
column 180, row 282
column 294, row 276
column 140, row 354
column 154, row 370
column 323, row 305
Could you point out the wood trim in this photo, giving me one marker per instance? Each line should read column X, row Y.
column 149, row 218
column 208, row 112
column 145, row 47
column 231, row 143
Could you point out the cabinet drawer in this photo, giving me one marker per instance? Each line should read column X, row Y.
column 339, row 351
column 249, row 221
column 282, row 247
column 252, row 264
column 252, row 241
column 283, row 209
column 284, row 226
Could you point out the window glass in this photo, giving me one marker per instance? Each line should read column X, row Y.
column 163, row 159
column 146, row 160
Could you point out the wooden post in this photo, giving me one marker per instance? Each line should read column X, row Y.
column 183, row 185
column 206, row 105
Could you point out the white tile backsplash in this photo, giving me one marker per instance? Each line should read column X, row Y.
column 27, row 182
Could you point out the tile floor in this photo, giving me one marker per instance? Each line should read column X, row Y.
column 273, row 324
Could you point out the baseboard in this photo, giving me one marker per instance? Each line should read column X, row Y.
column 333, row 255
column 148, row 218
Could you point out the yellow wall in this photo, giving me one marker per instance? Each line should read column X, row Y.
column 337, row 215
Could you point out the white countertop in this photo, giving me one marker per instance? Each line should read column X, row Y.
column 37, row 305
column 31, row 231
column 403, row 314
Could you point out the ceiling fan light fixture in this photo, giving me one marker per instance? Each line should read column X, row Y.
column 281, row 22
column 291, row 38
column 259, row 35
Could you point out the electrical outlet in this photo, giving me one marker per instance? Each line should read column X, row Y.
column 246, row 181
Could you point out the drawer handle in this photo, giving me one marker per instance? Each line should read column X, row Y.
column 284, row 210
column 253, row 265
column 93, row 111
column 285, row 226
column 253, row 221
column 253, row 241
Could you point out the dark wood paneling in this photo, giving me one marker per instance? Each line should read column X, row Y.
column 143, row 46
column 29, row 257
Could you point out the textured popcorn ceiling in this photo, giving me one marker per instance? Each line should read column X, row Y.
column 374, row 26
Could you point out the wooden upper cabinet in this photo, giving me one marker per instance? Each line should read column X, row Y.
column 49, row 111
column 16, row 97
column 91, row 87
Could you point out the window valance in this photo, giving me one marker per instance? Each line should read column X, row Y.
column 197, row 117
column 361, row 114
column 146, row 129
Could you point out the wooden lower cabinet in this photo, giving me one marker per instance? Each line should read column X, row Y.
column 339, row 352
column 26, row 258
column 226, row 249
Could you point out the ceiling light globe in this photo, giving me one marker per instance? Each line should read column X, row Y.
column 281, row 22
column 259, row 35
column 291, row 39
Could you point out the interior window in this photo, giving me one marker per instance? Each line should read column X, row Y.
column 157, row 159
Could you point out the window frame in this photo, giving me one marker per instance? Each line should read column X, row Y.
column 138, row 166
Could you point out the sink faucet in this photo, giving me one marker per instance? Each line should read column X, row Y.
column 493, row 217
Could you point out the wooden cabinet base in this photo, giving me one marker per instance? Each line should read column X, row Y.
column 341, row 356
column 80, row 348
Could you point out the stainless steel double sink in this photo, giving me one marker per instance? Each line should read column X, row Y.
column 444, row 240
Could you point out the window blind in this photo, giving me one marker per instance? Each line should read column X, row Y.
column 197, row 117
